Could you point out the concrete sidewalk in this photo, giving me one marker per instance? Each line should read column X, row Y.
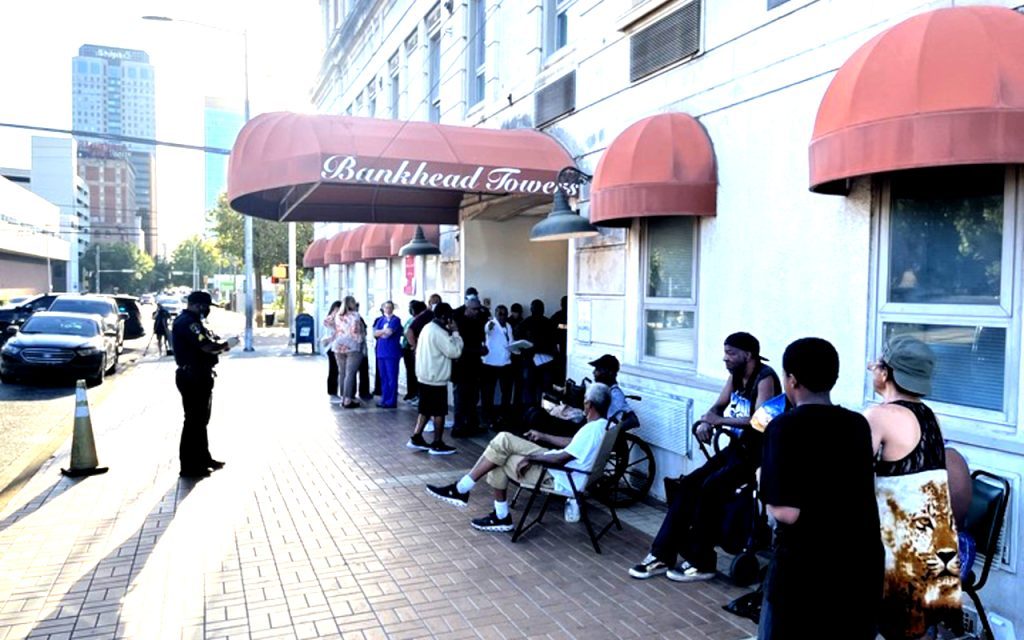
column 318, row 527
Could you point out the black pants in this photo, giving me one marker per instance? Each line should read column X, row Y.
column 695, row 515
column 466, row 389
column 500, row 378
column 196, row 388
column 332, row 374
column 538, row 381
column 364, row 378
column 412, row 383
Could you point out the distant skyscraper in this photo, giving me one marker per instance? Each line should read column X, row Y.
column 221, row 124
column 113, row 203
column 113, row 92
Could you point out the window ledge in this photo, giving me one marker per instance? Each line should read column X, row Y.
column 682, row 377
column 629, row 19
column 552, row 60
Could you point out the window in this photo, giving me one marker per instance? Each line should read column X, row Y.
column 946, row 274
column 371, row 97
column 556, row 25
column 434, row 76
column 669, row 298
column 396, row 88
column 477, row 50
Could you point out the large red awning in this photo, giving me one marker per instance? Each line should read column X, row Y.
column 377, row 241
column 314, row 256
column 332, row 254
column 663, row 165
column 287, row 166
column 404, row 233
column 352, row 245
column 942, row 88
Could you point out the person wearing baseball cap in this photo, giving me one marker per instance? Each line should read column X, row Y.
column 195, row 352
column 911, row 482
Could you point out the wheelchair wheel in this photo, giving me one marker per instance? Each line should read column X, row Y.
column 744, row 569
column 629, row 473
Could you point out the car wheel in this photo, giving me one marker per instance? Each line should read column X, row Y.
column 113, row 365
column 96, row 380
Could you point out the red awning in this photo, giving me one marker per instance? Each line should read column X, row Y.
column 404, row 233
column 663, row 165
column 352, row 246
column 287, row 166
column 377, row 241
column 942, row 88
column 314, row 256
column 332, row 254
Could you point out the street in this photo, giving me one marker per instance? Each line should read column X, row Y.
column 319, row 526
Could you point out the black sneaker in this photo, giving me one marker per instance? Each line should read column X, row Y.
column 442, row 449
column 449, row 494
column 649, row 568
column 417, row 443
column 491, row 522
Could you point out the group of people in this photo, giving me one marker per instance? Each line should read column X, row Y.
column 497, row 362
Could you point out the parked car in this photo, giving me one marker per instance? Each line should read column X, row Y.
column 173, row 304
column 51, row 344
column 15, row 314
column 101, row 305
column 147, row 298
column 133, row 325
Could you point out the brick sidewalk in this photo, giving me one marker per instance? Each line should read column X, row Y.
column 318, row 527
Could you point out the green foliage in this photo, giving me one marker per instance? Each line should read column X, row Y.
column 116, row 257
column 269, row 238
column 207, row 261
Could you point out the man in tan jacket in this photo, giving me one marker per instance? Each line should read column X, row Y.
column 439, row 343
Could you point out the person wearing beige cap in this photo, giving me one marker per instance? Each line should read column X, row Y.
column 922, row 570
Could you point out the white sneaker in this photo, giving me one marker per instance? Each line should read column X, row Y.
column 336, row 400
column 572, row 511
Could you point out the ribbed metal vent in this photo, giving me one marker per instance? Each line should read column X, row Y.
column 668, row 40
column 556, row 99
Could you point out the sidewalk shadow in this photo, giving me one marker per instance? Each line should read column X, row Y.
column 34, row 504
column 79, row 600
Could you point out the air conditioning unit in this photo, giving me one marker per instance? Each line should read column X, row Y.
column 1002, row 629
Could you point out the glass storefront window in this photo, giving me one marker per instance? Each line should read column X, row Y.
column 669, row 301
column 669, row 334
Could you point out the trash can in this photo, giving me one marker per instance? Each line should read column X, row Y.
column 268, row 319
column 304, row 332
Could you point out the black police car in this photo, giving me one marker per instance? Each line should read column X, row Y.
column 54, row 345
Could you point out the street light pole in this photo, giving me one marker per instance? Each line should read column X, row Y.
column 249, row 280
column 97, row 268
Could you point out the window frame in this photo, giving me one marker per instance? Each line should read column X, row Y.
column 652, row 303
column 551, row 11
column 476, row 52
column 434, row 83
column 1006, row 314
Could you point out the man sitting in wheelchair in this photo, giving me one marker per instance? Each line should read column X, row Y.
column 695, row 512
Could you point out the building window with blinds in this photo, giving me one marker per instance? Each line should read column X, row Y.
column 669, row 303
column 946, row 274
column 477, row 51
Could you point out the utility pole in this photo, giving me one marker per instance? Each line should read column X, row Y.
column 195, row 272
column 291, row 281
column 97, row 268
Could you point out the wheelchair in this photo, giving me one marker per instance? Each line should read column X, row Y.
column 744, row 531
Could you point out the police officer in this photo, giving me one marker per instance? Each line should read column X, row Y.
column 195, row 352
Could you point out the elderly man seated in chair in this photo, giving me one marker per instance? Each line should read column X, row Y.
column 509, row 457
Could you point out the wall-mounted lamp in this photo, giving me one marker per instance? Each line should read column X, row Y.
column 564, row 223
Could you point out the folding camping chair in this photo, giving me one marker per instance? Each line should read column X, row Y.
column 581, row 495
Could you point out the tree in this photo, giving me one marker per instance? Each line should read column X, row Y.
column 269, row 242
column 207, row 261
column 123, row 266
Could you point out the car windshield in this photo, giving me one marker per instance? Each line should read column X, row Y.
column 82, row 306
column 61, row 326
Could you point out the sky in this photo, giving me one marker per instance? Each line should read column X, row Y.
column 38, row 39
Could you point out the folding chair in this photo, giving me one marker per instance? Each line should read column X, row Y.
column 984, row 522
column 581, row 495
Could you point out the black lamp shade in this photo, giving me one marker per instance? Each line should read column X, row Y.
column 418, row 246
column 562, row 223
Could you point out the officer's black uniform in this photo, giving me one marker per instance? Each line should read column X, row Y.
column 194, row 380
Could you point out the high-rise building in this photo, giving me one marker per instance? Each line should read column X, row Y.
column 113, row 92
column 221, row 124
column 110, row 174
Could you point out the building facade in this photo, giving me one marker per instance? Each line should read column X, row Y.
column 935, row 253
column 54, row 176
column 30, row 241
column 113, row 92
column 221, row 123
column 110, row 174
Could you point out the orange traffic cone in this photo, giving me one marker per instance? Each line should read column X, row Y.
column 83, row 447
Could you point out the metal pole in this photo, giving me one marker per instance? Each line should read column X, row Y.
column 97, row 268
column 292, row 277
column 195, row 273
column 250, row 281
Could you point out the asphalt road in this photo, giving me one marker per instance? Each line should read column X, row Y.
column 35, row 419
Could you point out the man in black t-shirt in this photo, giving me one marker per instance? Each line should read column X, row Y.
column 817, row 480
column 692, row 526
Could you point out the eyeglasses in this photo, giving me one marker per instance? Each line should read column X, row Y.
column 875, row 365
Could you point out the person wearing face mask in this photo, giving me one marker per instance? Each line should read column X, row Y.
column 195, row 351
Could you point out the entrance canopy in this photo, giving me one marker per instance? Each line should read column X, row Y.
column 322, row 168
column 942, row 88
column 663, row 165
